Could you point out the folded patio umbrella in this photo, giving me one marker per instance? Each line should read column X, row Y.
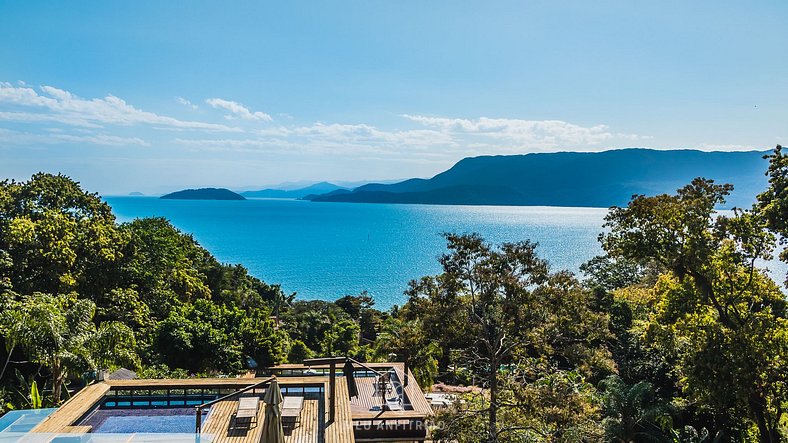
column 272, row 424
column 348, row 370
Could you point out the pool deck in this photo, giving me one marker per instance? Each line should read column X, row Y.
column 313, row 426
column 360, row 406
column 308, row 431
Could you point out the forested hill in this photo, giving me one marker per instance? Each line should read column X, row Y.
column 204, row 194
column 601, row 179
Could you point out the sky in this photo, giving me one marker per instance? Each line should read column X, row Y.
column 154, row 96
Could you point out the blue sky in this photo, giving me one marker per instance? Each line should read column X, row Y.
column 153, row 96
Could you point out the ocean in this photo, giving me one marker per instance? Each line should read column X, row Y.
column 327, row 250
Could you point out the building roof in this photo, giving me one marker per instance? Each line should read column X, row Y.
column 122, row 374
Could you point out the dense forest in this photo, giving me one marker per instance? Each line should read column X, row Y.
column 676, row 334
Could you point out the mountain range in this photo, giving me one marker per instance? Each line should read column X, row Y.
column 315, row 189
column 601, row 179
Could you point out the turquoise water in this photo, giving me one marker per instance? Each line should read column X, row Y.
column 327, row 250
column 23, row 420
column 154, row 421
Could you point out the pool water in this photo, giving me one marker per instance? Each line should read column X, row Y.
column 155, row 420
column 23, row 420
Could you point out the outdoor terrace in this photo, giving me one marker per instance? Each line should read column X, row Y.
column 313, row 425
column 370, row 421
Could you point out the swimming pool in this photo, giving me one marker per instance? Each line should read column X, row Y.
column 142, row 420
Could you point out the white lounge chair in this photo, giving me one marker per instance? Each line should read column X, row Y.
column 247, row 410
column 291, row 409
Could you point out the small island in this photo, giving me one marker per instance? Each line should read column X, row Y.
column 204, row 194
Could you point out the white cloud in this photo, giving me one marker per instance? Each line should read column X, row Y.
column 186, row 102
column 56, row 137
column 237, row 110
column 57, row 105
column 96, row 121
column 524, row 134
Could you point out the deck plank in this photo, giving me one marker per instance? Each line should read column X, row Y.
column 341, row 430
column 220, row 417
column 73, row 409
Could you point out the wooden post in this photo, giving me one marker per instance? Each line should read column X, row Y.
column 199, row 420
column 332, row 384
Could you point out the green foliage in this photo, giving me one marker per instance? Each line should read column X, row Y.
column 406, row 340
column 723, row 318
column 559, row 406
column 773, row 202
column 501, row 308
column 609, row 274
column 57, row 237
column 262, row 340
column 299, row 352
column 324, row 327
column 140, row 293
column 58, row 333
column 633, row 413
column 360, row 308
column 160, row 371
column 35, row 396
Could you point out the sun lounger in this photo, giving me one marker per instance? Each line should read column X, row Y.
column 291, row 409
column 394, row 404
column 247, row 410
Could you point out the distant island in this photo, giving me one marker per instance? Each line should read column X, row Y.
column 204, row 194
column 311, row 190
column 601, row 179
column 136, row 194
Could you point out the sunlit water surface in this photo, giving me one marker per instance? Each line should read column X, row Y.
column 326, row 250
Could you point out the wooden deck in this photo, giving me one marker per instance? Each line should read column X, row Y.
column 221, row 415
column 64, row 419
column 365, row 400
column 313, row 427
column 341, row 430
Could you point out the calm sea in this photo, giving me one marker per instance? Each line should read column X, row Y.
column 327, row 250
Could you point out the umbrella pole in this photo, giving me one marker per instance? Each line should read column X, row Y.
column 332, row 383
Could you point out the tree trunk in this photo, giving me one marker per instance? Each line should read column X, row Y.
column 766, row 434
column 7, row 360
column 493, row 413
column 57, row 383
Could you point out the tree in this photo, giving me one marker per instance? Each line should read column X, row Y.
column 724, row 316
column 360, row 308
column 407, row 341
column 633, row 413
column 57, row 332
column 262, row 340
column 298, row 352
column 773, row 202
column 609, row 274
column 201, row 337
column 501, row 308
column 558, row 406
column 57, row 237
